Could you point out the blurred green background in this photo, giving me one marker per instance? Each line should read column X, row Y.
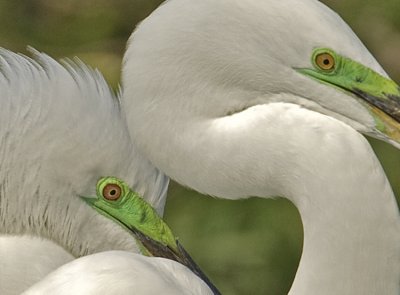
column 247, row 247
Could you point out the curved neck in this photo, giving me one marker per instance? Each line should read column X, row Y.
column 351, row 234
column 350, row 216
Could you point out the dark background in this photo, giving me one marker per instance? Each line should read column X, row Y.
column 247, row 247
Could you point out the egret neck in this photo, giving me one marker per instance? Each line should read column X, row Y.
column 269, row 98
column 349, row 213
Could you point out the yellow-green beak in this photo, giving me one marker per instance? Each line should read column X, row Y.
column 379, row 95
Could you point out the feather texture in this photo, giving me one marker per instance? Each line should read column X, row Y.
column 61, row 129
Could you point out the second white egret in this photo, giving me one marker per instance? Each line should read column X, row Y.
column 268, row 98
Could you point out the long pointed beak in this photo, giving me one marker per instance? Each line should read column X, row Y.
column 388, row 103
column 378, row 94
column 180, row 255
column 384, row 105
column 149, row 246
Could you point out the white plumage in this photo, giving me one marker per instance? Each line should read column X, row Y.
column 121, row 273
column 212, row 97
column 239, row 120
column 61, row 130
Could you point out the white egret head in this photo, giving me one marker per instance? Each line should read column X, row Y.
column 216, row 58
column 61, row 130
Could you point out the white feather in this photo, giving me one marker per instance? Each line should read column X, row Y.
column 239, row 119
column 120, row 273
column 61, row 129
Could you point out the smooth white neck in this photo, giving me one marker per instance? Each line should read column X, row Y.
column 351, row 232
column 328, row 170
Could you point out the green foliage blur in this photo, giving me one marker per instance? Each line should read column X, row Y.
column 249, row 246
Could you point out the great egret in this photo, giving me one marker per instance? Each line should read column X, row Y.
column 61, row 129
column 267, row 98
column 221, row 77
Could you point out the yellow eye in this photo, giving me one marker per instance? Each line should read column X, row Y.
column 112, row 192
column 325, row 61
